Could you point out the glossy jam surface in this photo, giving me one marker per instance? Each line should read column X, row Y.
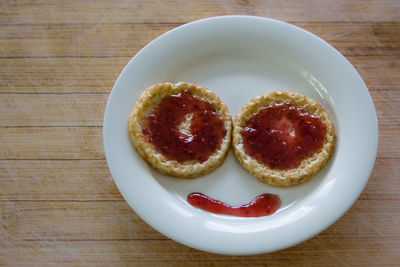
column 282, row 135
column 263, row 205
column 161, row 128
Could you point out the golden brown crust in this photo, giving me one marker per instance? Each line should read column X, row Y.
column 149, row 99
column 309, row 166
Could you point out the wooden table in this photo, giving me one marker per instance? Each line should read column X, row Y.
column 59, row 61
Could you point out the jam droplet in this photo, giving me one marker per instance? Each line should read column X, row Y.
column 263, row 205
column 161, row 128
column 282, row 135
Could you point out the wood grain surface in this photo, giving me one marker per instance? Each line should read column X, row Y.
column 58, row 63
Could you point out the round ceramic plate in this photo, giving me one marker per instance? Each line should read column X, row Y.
column 239, row 57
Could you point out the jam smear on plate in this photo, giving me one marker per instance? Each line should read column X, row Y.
column 282, row 135
column 161, row 128
column 262, row 205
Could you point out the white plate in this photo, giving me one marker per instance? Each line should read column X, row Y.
column 240, row 57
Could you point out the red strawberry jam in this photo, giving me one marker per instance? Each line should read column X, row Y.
column 161, row 128
column 262, row 205
column 282, row 135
